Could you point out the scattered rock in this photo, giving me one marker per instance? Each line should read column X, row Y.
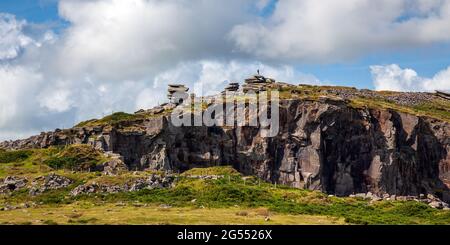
column 7, row 207
column 165, row 206
column 376, row 199
column 12, row 183
column 206, row 177
column 49, row 182
column 361, row 195
column 405, row 98
column 436, row 204
column 152, row 182
column 85, row 189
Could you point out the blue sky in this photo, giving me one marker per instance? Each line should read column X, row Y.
column 425, row 61
column 64, row 56
column 37, row 11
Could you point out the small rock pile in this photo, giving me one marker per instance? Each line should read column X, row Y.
column 205, row 177
column 429, row 199
column 257, row 83
column 12, row 183
column 404, row 98
column 152, row 182
column 49, row 182
column 24, row 205
column 179, row 89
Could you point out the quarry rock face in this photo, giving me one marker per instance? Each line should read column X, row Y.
column 322, row 145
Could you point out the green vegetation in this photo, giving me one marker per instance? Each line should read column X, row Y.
column 14, row 156
column 435, row 108
column 127, row 122
column 233, row 194
column 250, row 193
column 133, row 213
column 75, row 157
column 111, row 119
column 39, row 161
column 211, row 171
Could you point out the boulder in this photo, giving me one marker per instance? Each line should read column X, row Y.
column 114, row 167
column 436, row 204
column 49, row 182
column 12, row 183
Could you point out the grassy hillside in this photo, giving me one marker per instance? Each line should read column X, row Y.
column 110, row 119
column 217, row 195
column 36, row 162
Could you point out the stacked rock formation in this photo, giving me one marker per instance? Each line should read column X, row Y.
column 257, row 83
column 232, row 87
column 179, row 89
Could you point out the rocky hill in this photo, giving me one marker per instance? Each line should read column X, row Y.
column 341, row 141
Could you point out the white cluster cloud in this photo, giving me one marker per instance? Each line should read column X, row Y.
column 117, row 55
column 117, row 40
column 12, row 39
column 331, row 30
column 392, row 77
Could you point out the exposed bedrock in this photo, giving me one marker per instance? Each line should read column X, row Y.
column 322, row 145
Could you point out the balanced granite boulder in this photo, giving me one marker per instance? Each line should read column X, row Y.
column 257, row 83
column 180, row 90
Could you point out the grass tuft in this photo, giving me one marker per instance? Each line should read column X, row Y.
column 14, row 156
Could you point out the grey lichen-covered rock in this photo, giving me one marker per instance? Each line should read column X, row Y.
column 12, row 183
column 49, row 182
column 151, row 182
column 114, row 166
column 435, row 204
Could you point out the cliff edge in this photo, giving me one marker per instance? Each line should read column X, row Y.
column 339, row 140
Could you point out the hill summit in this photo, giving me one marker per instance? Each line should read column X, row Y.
column 339, row 140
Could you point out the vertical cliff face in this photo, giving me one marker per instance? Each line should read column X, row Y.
column 322, row 145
